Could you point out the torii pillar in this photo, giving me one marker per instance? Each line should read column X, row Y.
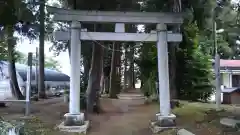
column 165, row 117
column 74, row 117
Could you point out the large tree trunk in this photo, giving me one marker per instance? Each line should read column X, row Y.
column 172, row 71
column 94, row 79
column 172, row 54
column 41, row 84
column 12, row 69
column 115, row 69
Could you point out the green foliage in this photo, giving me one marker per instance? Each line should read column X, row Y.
column 4, row 53
column 148, row 68
column 149, row 87
column 195, row 79
column 49, row 62
column 194, row 76
column 5, row 127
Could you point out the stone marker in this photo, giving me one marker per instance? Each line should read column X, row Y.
column 184, row 132
column 229, row 122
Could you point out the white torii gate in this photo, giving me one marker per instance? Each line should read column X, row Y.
column 161, row 36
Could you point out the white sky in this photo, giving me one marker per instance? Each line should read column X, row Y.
column 26, row 46
column 235, row 1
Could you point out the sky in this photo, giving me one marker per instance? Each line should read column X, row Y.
column 235, row 1
column 26, row 46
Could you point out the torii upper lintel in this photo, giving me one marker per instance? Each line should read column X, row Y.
column 115, row 16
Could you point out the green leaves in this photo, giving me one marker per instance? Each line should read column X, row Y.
column 5, row 127
column 14, row 11
column 194, row 77
column 207, row 47
column 49, row 62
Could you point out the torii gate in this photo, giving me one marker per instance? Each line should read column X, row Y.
column 161, row 36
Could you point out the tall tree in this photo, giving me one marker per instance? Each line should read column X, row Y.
column 125, row 74
column 12, row 69
column 115, row 71
column 176, row 7
column 95, row 73
column 41, row 85
column 131, row 78
column 17, row 18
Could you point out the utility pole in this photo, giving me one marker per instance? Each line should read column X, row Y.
column 41, row 85
column 217, row 65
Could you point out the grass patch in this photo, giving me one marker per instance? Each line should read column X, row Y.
column 191, row 113
column 196, row 113
column 36, row 126
column 30, row 126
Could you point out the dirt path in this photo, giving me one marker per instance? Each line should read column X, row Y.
column 123, row 117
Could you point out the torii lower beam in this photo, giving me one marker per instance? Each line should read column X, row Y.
column 115, row 36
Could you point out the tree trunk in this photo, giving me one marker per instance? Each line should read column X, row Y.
column 172, row 55
column 107, row 71
column 125, row 67
column 106, row 85
column 87, row 66
column 69, row 50
column 131, row 68
column 11, row 67
column 115, row 69
column 94, row 79
column 41, row 84
column 118, row 68
column 102, row 82
column 172, row 71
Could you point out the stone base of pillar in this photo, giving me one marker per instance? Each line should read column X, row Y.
column 74, row 123
column 163, row 123
column 73, row 119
